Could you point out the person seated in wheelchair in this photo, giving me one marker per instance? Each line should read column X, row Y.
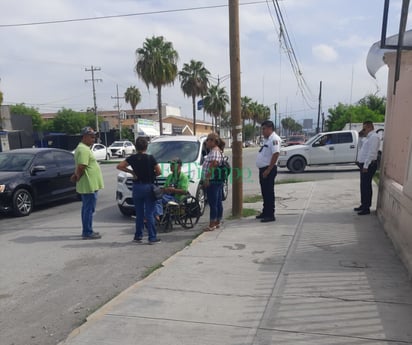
column 175, row 188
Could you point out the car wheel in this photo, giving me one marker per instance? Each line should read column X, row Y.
column 296, row 164
column 200, row 196
column 126, row 211
column 225, row 190
column 22, row 203
column 107, row 156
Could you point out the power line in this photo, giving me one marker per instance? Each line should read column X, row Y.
column 124, row 15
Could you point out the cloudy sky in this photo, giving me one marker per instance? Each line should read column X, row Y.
column 44, row 65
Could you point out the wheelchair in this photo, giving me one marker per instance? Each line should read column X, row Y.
column 185, row 213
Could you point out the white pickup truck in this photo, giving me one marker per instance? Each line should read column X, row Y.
column 340, row 147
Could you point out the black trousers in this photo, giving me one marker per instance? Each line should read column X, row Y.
column 366, row 184
column 267, row 188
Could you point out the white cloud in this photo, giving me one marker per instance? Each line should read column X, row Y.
column 325, row 53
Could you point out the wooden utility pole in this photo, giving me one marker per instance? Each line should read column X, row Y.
column 92, row 69
column 237, row 171
column 117, row 97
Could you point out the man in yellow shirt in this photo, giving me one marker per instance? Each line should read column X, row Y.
column 89, row 179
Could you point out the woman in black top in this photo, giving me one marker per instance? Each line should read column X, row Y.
column 144, row 171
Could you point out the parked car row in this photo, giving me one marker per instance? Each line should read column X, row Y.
column 120, row 148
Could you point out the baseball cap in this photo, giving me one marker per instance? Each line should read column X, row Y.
column 88, row 131
column 176, row 161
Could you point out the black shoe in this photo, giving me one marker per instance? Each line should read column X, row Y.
column 267, row 219
column 357, row 209
column 260, row 216
column 93, row 236
column 363, row 212
column 157, row 240
column 138, row 240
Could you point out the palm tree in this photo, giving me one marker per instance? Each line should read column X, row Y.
column 157, row 65
column 133, row 96
column 215, row 101
column 194, row 78
column 245, row 111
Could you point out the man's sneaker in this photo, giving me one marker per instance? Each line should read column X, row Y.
column 260, row 216
column 138, row 240
column 157, row 240
column 93, row 236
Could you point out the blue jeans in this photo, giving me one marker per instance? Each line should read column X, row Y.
column 163, row 201
column 88, row 207
column 144, row 205
column 214, row 193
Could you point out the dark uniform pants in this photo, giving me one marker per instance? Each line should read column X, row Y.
column 267, row 188
column 366, row 184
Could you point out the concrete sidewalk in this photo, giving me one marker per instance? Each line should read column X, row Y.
column 320, row 274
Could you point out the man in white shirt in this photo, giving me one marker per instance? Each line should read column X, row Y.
column 368, row 165
column 266, row 163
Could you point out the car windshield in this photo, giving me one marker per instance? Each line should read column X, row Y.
column 15, row 161
column 313, row 139
column 165, row 151
column 117, row 144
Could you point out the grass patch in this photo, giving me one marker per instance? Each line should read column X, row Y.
column 246, row 212
column 250, row 199
column 290, row 180
column 109, row 162
column 189, row 242
column 150, row 270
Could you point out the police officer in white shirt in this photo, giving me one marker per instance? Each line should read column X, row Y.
column 266, row 161
column 368, row 165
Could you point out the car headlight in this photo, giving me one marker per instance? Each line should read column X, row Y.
column 283, row 153
column 121, row 179
column 2, row 188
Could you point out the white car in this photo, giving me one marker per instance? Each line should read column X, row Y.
column 100, row 152
column 122, row 148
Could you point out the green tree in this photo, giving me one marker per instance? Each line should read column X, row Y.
column 215, row 102
column 71, row 122
column 133, row 96
column 342, row 114
column 291, row 126
column 246, row 106
column 21, row 109
column 157, row 66
column 194, row 81
column 374, row 103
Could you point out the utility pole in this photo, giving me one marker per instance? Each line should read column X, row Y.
column 319, row 107
column 118, row 110
column 92, row 69
column 237, row 189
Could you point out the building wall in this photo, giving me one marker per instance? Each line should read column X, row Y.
column 395, row 188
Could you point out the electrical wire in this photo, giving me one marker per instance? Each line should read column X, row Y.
column 125, row 15
column 286, row 44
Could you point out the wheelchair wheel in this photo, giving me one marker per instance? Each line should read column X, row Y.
column 190, row 212
column 165, row 224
